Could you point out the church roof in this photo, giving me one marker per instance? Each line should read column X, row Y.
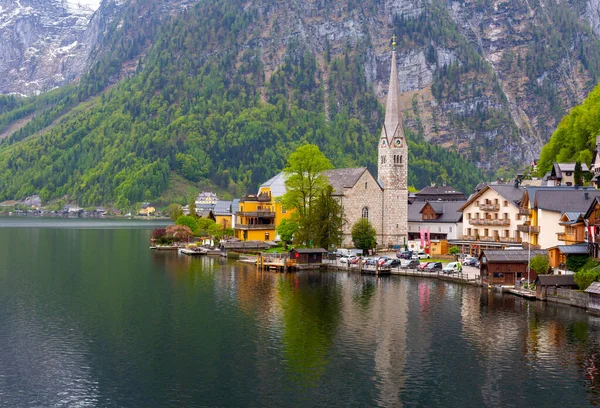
column 344, row 178
column 392, row 125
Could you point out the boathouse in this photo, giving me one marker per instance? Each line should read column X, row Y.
column 308, row 256
column 551, row 285
column 593, row 292
column 506, row 268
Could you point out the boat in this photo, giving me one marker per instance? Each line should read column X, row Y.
column 193, row 251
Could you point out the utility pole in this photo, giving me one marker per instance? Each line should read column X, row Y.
column 529, row 254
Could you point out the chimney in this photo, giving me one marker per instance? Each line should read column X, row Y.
column 586, row 196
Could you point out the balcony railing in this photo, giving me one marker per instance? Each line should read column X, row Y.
column 527, row 245
column 493, row 238
column 255, row 226
column 486, row 221
column 534, row 229
column 563, row 236
column 489, row 207
column 525, row 211
column 259, row 213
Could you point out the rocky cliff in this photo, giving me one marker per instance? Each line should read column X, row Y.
column 489, row 79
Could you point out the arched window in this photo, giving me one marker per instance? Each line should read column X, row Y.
column 365, row 212
column 400, row 159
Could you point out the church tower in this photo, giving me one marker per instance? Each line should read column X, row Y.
column 393, row 166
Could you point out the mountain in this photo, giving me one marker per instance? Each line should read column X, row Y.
column 228, row 88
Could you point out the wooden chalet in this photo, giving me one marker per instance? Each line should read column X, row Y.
column 558, row 255
column 506, row 268
column 307, row 256
column 549, row 285
column 593, row 292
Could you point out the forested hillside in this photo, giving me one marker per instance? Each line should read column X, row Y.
column 575, row 136
column 199, row 106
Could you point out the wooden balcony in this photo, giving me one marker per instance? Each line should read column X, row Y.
column 534, row 229
column 527, row 245
column 512, row 240
column 563, row 236
column 525, row 211
column 489, row 207
column 259, row 213
column 489, row 222
column 492, row 238
column 255, row 226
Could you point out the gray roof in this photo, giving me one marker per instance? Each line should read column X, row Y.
column 223, row 207
column 508, row 256
column 575, row 249
column 594, row 288
column 276, row 184
column 561, row 200
column 235, row 205
column 572, row 215
column 555, row 280
column 344, row 178
column 310, row 250
column 570, row 166
column 508, row 191
column 448, row 211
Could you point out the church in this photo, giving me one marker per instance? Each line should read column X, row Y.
column 383, row 201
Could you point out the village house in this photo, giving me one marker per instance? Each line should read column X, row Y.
column 491, row 219
column 543, row 209
column 442, row 219
column 259, row 215
column 563, row 174
column 558, row 255
column 592, row 220
column 506, row 268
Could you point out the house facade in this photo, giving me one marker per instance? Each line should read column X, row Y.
column 442, row 219
column 491, row 219
column 506, row 268
column 563, row 174
column 543, row 209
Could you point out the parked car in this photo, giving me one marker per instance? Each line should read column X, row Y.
column 404, row 254
column 452, row 267
column 343, row 252
column 392, row 263
column 354, row 260
column 344, row 260
column 433, row 267
column 423, row 255
column 422, row 265
column 370, row 261
column 469, row 261
column 409, row 264
column 382, row 260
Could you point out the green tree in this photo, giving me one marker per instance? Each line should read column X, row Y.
column 578, row 174
column 539, row 264
column 585, row 277
column 326, row 221
column 188, row 221
column 192, row 207
column 175, row 211
column 304, row 178
column 286, row 229
column 454, row 250
column 577, row 262
column 364, row 235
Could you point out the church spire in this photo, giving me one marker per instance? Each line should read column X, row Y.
column 393, row 119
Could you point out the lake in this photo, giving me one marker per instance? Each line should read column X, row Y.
column 90, row 317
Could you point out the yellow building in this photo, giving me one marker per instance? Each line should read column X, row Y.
column 147, row 210
column 259, row 215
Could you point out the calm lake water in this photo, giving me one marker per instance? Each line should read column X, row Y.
column 89, row 316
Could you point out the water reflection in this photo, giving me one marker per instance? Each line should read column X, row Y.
column 94, row 317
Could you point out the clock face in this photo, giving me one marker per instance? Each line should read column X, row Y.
column 398, row 143
column 383, row 142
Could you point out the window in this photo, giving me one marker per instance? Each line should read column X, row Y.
column 365, row 212
column 450, row 229
column 266, row 236
column 476, row 203
column 496, row 201
column 439, row 229
column 506, row 216
column 507, row 233
column 382, row 159
column 365, row 185
column 505, row 203
column 517, row 217
column 486, row 232
column 468, row 216
column 468, row 231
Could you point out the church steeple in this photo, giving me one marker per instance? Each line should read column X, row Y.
column 392, row 127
